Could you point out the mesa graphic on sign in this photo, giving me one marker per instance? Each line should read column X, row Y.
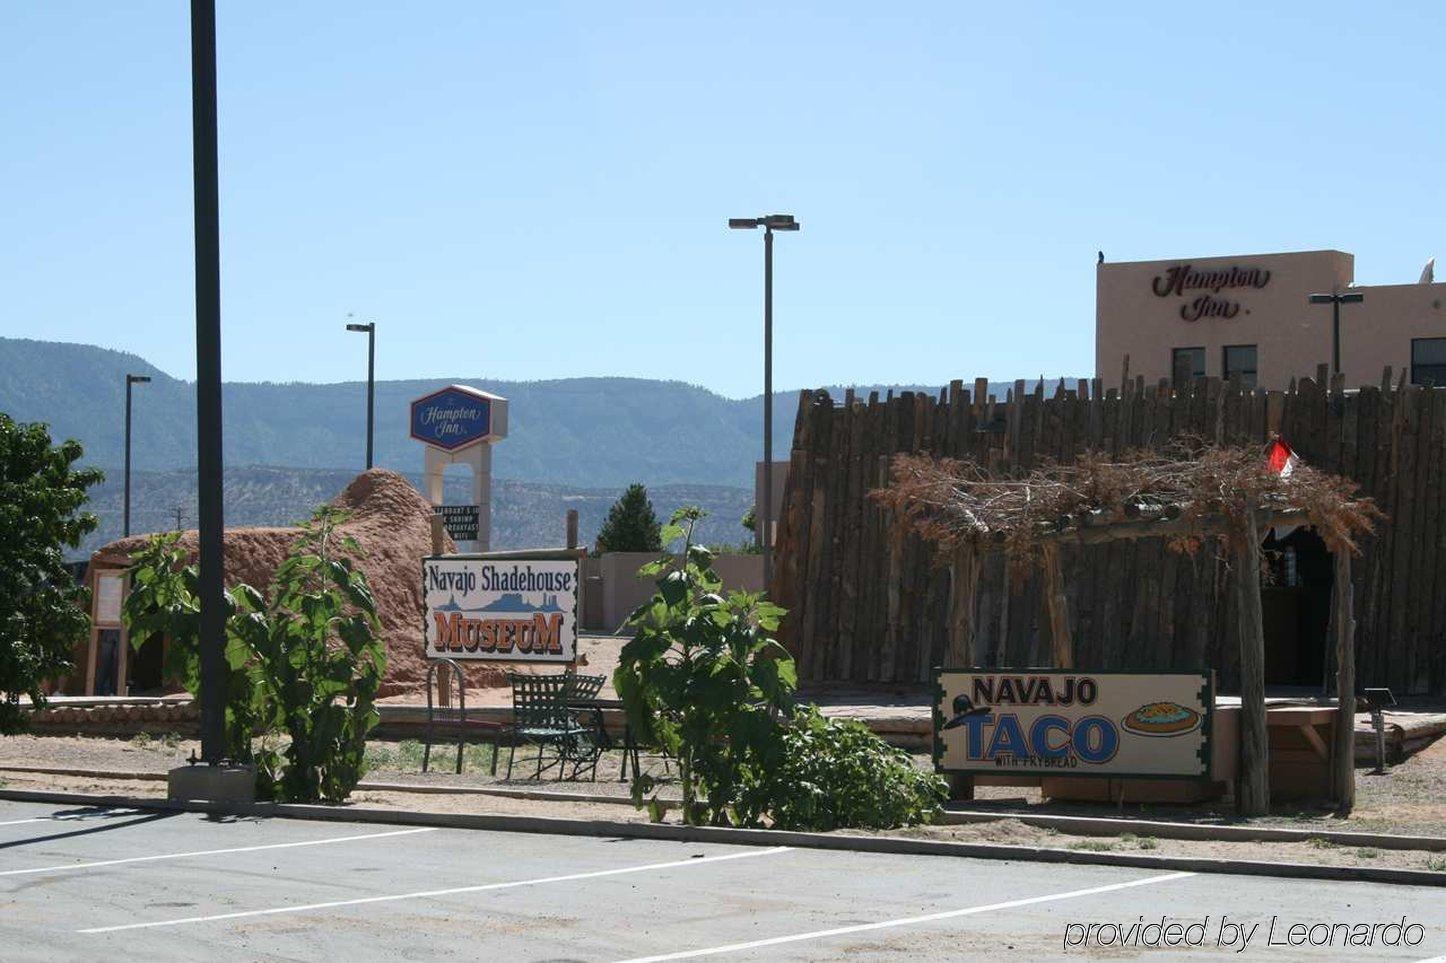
column 507, row 609
column 1073, row 723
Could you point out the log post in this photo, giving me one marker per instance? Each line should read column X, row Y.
column 439, row 547
column 1254, row 797
column 572, row 528
column 1061, row 646
column 1343, row 774
column 963, row 588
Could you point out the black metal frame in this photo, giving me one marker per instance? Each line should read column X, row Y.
column 542, row 717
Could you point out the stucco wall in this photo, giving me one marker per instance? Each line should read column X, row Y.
column 622, row 590
column 1138, row 312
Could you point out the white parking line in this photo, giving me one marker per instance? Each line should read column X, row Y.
column 906, row 921
column 63, row 867
column 431, row 893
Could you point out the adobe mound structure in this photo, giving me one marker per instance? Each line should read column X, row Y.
column 391, row 523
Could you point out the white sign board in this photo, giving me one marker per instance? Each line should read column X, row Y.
column 108, row 592
column 502, row 609
column 1053, row 723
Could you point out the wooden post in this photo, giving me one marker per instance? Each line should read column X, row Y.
column 572, row 528
column 1061, row 646
column 1254, row 737
column 439, row 546
column 963, row 589
column 1343, row 775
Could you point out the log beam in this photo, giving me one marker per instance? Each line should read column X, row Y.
column 1343, row 621
column 1254, row 796
column 1061, row 646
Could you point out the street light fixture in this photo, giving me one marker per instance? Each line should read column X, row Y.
column 1335, row 299
column 769, row 223
column 371, row 332
column 131, row 379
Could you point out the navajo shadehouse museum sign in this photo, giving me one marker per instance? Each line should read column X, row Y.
column 460, row 521
column 1208, row 293
column 506, row 609
column 452, row 418
column 1056, row 723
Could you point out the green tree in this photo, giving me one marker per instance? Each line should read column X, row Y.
column 305, row 662
column 631, row 525
column 43, row 613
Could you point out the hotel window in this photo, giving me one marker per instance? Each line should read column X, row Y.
column 1428, row 361
column 1187, row 364
column 1239, row 359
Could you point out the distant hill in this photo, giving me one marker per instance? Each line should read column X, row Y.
column 593, row 433
column 524, row 514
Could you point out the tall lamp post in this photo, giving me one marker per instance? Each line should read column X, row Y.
column 769, row 223
column 131, row 379
column 210, row 516
column 1335, row 299
column 371, row 332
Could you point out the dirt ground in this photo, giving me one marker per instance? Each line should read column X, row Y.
column 1411, row 799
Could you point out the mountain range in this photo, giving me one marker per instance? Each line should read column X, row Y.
column 573, row 442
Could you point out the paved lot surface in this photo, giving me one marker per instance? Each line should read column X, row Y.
column 110, row 884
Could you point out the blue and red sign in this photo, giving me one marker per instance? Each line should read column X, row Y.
column 452, row 418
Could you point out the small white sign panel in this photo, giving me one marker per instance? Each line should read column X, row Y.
column 1052, row 723
column 514, row 610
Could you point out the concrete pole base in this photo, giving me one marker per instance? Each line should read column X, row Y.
column 212, row 783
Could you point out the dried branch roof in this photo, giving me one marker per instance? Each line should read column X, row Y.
column 1204, row 492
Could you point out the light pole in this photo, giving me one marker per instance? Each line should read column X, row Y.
column 131, row 379
column 1335, row 299
column 371, row 332
column 769, row 223
column 210, row 516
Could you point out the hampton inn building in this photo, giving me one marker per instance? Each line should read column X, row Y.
column 1252, row 315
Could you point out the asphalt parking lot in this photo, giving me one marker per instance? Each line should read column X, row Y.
column 117, row 883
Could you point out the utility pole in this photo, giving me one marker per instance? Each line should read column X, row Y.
column 131, row 381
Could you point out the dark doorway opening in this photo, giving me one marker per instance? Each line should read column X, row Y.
column 1296, row 603
column 146, row 675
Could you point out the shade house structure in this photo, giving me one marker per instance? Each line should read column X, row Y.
column 1194, row 497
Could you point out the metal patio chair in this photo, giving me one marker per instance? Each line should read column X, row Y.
column 541, row 717
column 587, row 748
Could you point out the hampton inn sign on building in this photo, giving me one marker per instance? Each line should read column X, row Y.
column 1251, row 315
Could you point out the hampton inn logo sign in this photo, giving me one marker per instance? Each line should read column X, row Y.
column 507, row 609
column 1208, row 294
column 1073, row 723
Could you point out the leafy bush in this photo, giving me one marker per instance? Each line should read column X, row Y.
column 631, row 525
column 306, row 662
column 833, row 774
column 42, row 610
column 704, row 678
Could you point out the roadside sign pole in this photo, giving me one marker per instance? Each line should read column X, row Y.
column 208, row 376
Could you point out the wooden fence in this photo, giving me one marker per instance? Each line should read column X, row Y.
column 867, row 605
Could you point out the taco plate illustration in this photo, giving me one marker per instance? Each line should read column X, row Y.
column 1161, row 719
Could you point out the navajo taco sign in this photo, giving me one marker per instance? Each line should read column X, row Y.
column 502, row 609
column 1054, row 723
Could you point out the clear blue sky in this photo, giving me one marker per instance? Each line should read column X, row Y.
column 541, row 190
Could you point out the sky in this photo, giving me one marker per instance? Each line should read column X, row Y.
column 533, row 191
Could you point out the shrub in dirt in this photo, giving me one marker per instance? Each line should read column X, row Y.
column 303, row 661
column 42, row 610
column 824, row 774
column 704, row 678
